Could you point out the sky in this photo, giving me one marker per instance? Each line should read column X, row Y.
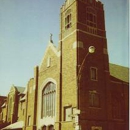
column 25, row 27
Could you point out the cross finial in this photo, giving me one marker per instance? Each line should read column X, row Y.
column 51, row 37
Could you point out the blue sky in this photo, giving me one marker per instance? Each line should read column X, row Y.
column 25, row 27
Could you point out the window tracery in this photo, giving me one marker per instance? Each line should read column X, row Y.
column 48, row 100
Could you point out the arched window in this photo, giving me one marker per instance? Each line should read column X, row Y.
column 48, row 100
column 51, row 127
column 44, row 128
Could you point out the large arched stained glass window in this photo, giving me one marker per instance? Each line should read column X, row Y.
column 48, row 100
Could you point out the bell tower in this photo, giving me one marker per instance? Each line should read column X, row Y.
column 82, row 26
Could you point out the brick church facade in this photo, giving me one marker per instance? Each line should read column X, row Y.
column 72, row 89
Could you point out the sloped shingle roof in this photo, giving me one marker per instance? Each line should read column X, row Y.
column 119, row 72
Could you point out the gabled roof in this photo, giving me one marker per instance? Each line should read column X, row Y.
column 20, row 89
column 4, row 104
column 14, row 126
column 3, row 97
column 23, row 99
column 119, row 72
column 25, row 91
column 51, row 47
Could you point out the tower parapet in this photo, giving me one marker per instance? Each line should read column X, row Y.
column 94, row 3
column 66, row 4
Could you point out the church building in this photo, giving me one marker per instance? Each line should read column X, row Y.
column 75, row 87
